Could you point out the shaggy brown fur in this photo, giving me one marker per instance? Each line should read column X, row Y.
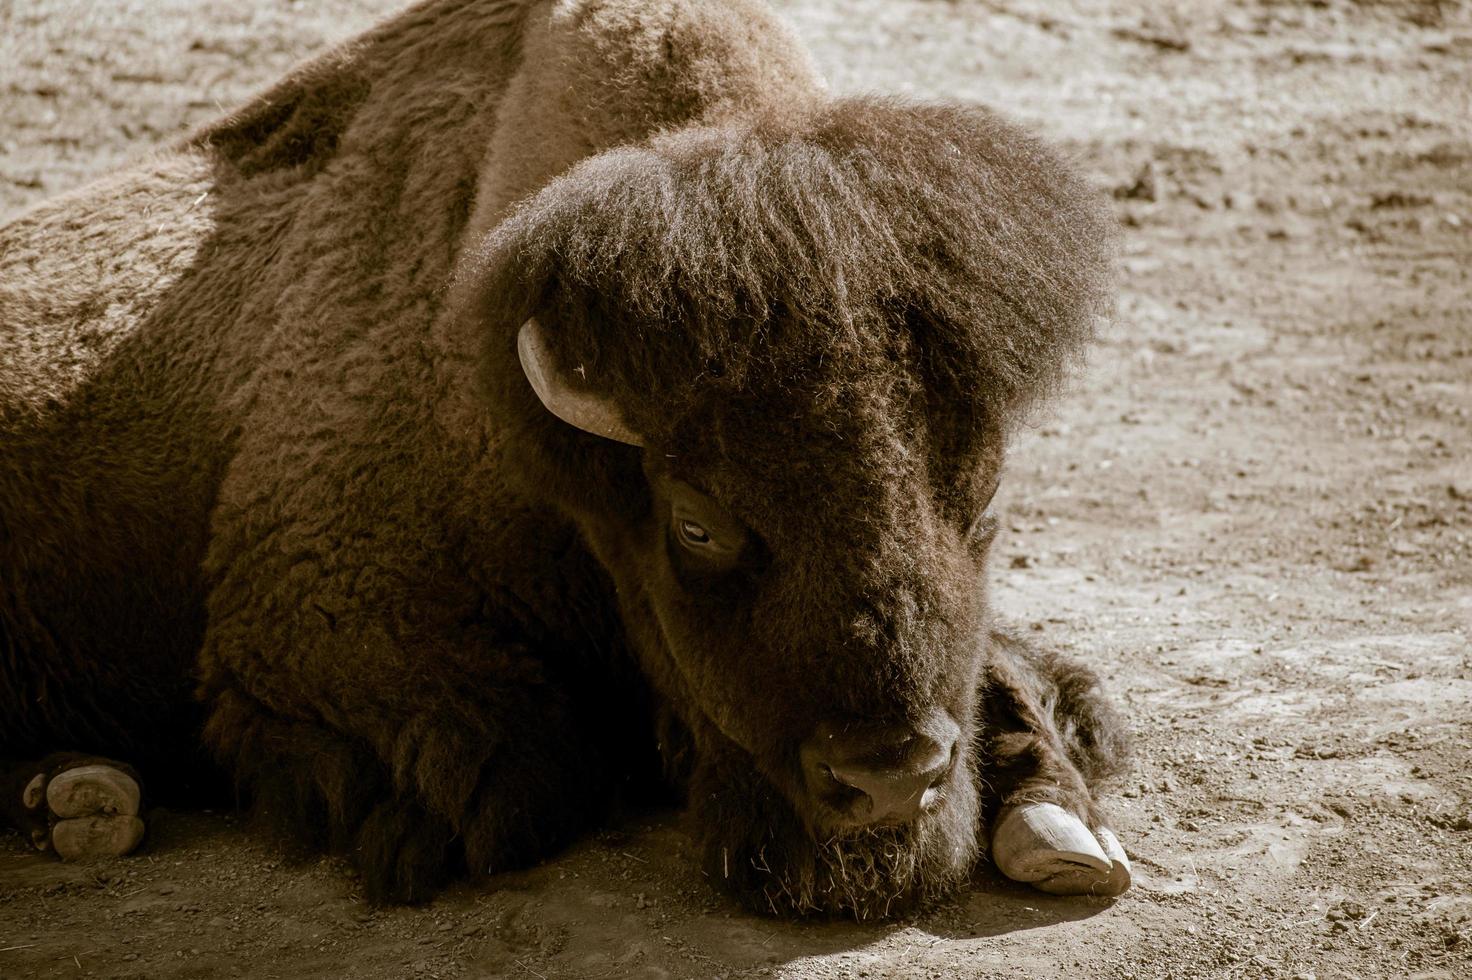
column 251, row 437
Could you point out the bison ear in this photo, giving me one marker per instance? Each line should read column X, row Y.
column 577, row 406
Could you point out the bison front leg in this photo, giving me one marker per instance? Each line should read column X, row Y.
column 1050, row 738
column 419, row 763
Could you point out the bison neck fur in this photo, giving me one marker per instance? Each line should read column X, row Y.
column 273, row 481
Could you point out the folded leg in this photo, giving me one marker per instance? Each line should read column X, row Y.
column 1050, row 740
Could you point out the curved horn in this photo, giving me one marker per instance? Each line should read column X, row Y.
column 580, row 408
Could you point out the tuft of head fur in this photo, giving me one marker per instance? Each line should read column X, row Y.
column 702, row 258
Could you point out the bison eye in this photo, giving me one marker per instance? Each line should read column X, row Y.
column 693, row 535
column 991, row 495
column 982, row 531
column 704, row 536
column 698, row 538
column 983, row 527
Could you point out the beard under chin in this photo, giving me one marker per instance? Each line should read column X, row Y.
column 758, row 847
column 870, row 873
column 779, row 866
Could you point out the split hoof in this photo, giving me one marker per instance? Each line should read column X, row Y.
column 1049, row 848
column 92, row 838
column 95, row 789
column 91, row 812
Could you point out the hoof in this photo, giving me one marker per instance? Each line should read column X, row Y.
column 91, row 838
column 92, row 812
column 95, row 789
column 1049, row 848
column 34, row 792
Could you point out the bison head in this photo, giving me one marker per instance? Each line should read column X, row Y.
column 770, row 370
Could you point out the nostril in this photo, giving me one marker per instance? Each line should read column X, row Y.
column 843, row 793
column 938, row 778
column 886, row 795
column 944, row 770
column 881, row 775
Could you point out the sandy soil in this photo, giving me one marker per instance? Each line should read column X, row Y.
column 1252, row 515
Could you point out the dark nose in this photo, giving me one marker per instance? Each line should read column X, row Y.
column 880, row 774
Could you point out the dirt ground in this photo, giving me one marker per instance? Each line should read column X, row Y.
column 1252, row 515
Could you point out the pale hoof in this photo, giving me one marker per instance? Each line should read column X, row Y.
column 96, row 789
column 1119, row 875
column 1049, row 848
column 91, row 838
column 91, row 812
column 34, row 792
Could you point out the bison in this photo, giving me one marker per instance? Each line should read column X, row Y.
column 531, row 404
